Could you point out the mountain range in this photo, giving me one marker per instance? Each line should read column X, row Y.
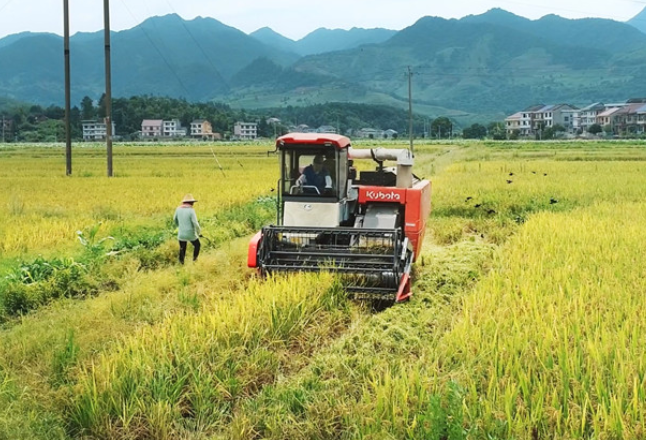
column 478, row 67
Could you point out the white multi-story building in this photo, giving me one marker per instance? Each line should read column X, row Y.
column 173, row 128
column 245, row 130
column 94, row 130
column 571, row 120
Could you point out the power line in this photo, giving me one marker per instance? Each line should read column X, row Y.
column 161, row 54
column 5, row 5
column 195, row 40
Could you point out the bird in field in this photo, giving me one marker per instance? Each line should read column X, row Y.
column 553, row 201
column 468, row 198
column 491, row 211
column 509, row 181
column 544, row 174
column 478, row 205
column 533, row 172
column 273, row 189
column 511, row 174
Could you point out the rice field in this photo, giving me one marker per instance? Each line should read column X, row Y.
column 525, row 323
column 148, row 183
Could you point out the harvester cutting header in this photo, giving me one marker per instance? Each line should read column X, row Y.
column 368, row 226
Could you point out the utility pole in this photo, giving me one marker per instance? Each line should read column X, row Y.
column 410, row 110
column 108, row 86
column 68, row 133
column 3, row 128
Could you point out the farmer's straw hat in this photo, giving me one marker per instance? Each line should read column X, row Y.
column 188, row 198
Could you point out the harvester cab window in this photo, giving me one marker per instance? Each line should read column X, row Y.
column 315, row 178
column 314, row 172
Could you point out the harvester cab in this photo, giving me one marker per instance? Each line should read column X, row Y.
column 313, row 185
column 367, row 226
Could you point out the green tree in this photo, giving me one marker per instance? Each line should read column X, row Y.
column 497, row 131
column 475, row 131
column 264, row 129
column 441, row 127
column 595, row 129
column 101, row 110
column 552, row 132
column 50, row 131
column 88, row 112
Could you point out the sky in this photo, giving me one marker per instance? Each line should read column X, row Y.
column 291, row 18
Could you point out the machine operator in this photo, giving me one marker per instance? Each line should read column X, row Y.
column 316, row 175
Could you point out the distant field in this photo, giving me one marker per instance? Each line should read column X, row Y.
column 147, row 185
column 526, row 320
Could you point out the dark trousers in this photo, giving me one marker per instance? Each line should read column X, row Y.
column 182, row 249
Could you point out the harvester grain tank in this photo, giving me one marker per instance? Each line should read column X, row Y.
column 368, row 226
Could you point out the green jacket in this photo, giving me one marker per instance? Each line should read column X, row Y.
column 188, row 229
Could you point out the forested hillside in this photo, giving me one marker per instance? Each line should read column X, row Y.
column 477, row 68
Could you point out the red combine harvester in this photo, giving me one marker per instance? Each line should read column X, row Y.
column 367, row 226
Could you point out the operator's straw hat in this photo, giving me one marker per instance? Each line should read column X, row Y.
column 188, row 198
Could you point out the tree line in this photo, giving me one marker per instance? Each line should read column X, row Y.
column 35, row 123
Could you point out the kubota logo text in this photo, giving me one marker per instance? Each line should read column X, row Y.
column 380, row 195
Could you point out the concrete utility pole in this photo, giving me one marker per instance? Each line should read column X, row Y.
column 108, row 86
column 68, row 133
column 3, row 129
column 410, row 110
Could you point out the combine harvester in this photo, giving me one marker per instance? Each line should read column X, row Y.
column 367, row 226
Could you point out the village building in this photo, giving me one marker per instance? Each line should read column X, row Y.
column 151, row 128
column 95, row 130
column 245, row 130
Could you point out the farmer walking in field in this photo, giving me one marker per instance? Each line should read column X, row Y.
column 188, row 229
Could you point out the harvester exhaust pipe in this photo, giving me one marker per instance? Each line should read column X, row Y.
column 403, row 157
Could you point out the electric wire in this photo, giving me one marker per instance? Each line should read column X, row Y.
column 195, row 40
column 159, row 52
column 5, row 5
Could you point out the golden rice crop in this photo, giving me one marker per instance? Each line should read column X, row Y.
column 45, row 208
column 549, row 344
column 554, row 341
column 191, row 370
column 511, row 185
